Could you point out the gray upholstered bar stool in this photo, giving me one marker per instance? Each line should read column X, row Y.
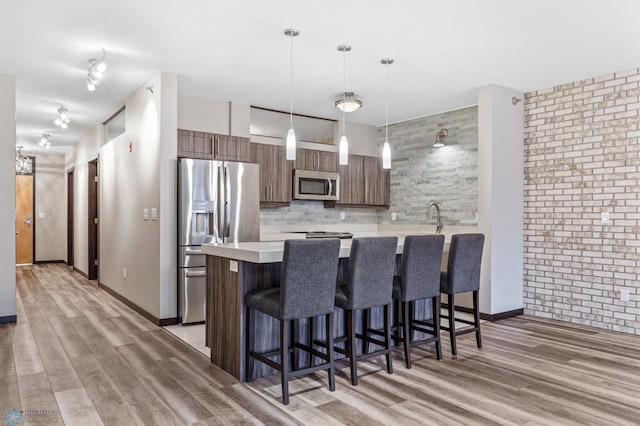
column 307, row 289
column 463, row 275
column 369, row 284
column 419, row 279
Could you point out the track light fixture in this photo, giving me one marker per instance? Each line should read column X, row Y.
column 63, row 118
column 96, row 70
column 44, row 141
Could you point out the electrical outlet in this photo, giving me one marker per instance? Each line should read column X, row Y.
column 394, row 216
column 604, row 218
column 124, row 273
column 233, row 266
column 145, row 214
column 343, row 215
column 624, row 295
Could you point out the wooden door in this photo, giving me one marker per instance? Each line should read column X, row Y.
column 275, row 174
column 93, row 254
column 327, row 161
column 70, row 204
column 24, row 219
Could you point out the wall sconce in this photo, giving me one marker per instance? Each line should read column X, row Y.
column 443, row 133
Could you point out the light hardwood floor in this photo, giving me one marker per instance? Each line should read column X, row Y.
column 81, row 357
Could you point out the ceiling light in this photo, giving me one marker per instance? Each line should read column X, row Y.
column 386, row 148
column 95, row 72
column 343, row 147
column 63, row 118
column 348, row 102
column 44, row 140
column 291, row 134
column 440, row 138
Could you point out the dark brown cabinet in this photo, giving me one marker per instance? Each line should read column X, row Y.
column 310, row 159
column 364, row 183
column 210, row 146
column 275, row 174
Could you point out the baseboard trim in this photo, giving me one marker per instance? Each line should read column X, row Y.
column 9, row 319
column 489, row 317
column 80, row 272
column 38, row 262
column 160, row 322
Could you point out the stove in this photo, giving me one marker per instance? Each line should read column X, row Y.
column 329, row 234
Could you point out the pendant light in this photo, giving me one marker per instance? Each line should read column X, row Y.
column 344, row 144
column 386, row 148
column 291, row 134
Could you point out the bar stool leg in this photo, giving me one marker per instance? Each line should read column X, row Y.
column 247, row 343
column 332, row 371
column 310, row 340
column 365, row 331
column 476, row 317
column 351, row 343
column 452, row 325
column 397, row 319
column 295, row 353
column 406, row 333
column 435, row 303
column 412, row 315
column 284, row 360
column 387, row 337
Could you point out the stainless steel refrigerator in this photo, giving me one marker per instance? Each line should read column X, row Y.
column 218, row 202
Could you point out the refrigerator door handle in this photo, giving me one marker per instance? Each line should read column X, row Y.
column 220, row 205
column 227, row 207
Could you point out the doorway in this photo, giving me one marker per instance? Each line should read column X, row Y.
column 70, row 217
column 25, row 223
column 94, row 235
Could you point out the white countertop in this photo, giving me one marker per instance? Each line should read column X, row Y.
column 271, row 251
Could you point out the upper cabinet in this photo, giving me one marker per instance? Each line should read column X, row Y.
column 310, row 159
column 363, row 183
column 275, row 174
column 210, row 146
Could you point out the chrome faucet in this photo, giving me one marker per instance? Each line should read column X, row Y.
column 438, row 217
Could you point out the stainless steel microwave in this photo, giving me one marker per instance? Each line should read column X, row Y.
column 314, row 185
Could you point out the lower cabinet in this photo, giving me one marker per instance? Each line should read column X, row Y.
column 364, row 183
column 275, row 174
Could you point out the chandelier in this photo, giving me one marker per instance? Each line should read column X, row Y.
column 23, row 163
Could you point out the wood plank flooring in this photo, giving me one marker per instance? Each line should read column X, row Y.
column 78, row 356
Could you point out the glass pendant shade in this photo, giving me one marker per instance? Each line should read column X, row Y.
column 291, row 144
column 344, row 151
column 386, row 155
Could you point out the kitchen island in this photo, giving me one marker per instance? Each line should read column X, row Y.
column 235, row 269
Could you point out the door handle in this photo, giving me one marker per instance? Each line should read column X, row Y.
column 29, row 220
column 196, row 274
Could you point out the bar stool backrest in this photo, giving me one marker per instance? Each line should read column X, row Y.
column 463, row 266
column 371, row 268
column 420, row 267
column 308, row 277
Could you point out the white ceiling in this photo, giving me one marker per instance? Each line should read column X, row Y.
column 236, row 50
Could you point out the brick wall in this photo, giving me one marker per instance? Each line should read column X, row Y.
column 581, row 159
column 421, row 173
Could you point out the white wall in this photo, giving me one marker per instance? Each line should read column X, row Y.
column 500, row 198
column 50, row 186
column 7, row 196
column 137, row 179
column 84, row 151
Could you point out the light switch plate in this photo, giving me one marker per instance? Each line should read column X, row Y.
column 393, row 216
column 145, row 214
column 233, row 266
column 154, row 214
column 604, row 218
column 42, row 215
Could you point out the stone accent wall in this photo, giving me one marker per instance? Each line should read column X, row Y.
column 581, row 159
column 313, row 212
column 421, row 173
